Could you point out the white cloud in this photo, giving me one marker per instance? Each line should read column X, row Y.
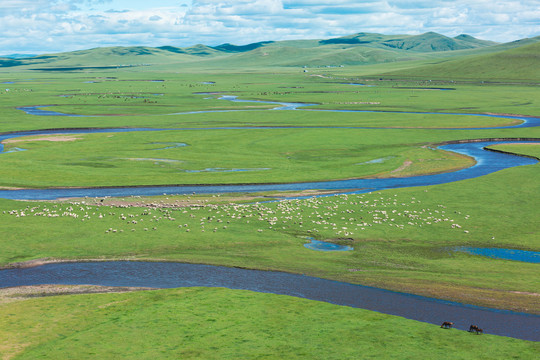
column 26, row 25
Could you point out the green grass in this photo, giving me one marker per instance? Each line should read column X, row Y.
column 399, row 242
column 532, row 150
column 271, row 155
column 122, row 96
column 409, row 259
column 519, row 63
column 196, row 323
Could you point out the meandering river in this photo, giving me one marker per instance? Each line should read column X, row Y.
column 167, row 275
column 525, row 121
column 487, row 162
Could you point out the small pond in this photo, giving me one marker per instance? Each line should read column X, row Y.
column 326, row 246
column 503, row 254
column 358, row 84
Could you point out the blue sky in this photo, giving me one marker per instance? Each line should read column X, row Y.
column 48, row 26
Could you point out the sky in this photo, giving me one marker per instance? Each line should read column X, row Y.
column 51, row 26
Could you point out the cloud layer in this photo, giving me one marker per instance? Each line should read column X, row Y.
column 40, row 26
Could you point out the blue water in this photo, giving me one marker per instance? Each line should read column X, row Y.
column 504, row 254
column 16, row 149
column 424, row 88
column 326, row 246
column 173, row 275
column 282, row 105
column 358, row 84
column 38, row 110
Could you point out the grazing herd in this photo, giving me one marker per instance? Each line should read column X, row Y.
column 472, row 328
column 329, row 217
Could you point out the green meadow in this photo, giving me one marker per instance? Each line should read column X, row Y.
column 226, row 324
column 402, row 239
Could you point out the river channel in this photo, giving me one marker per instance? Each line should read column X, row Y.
column 170, row 275
column 487, row 162
column 525, row 121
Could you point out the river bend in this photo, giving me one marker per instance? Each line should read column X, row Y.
column 487, row 162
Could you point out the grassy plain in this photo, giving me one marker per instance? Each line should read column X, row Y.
column 238, row 156
column 226, row 324
column 401, row 238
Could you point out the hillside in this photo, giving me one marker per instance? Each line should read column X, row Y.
column 322, row 56
column 460, row 57
column 117, row 56
column 428, row 42
column 521, row 63
column 357, row 49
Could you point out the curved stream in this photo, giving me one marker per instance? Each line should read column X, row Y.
column 526, row 121
column 167, row 275
column 487, row 162
column 172, row 275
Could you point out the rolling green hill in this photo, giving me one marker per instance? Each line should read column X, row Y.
column 521, row 63
column 98, row 57
column 361, row 48
column 321, row 56
column 429, row 55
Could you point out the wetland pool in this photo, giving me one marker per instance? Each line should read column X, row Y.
column 502, row 254
column 319, row 245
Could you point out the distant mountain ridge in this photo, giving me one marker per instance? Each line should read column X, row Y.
column 356, row 49
column 17, row 56
column 426, row 42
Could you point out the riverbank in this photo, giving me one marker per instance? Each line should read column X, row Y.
column 172, row 275
column 212, row 323
column 465, row 150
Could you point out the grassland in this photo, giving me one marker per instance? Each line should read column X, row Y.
column 213, row 324
column 513, row 64
column 251, row 156
column 402, row 239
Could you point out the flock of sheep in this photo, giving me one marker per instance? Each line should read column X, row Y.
column 332, row 217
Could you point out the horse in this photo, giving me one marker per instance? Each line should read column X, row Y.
column 447, row 324
column 475, row 328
